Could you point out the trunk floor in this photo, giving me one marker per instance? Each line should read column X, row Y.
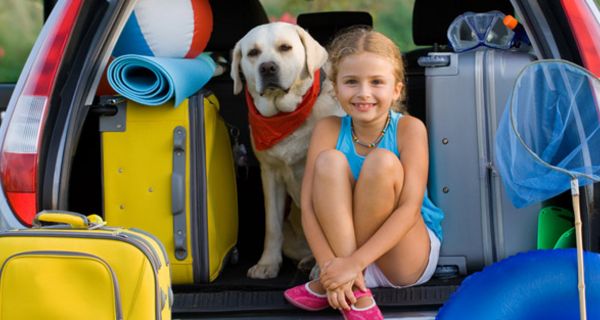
column 234, row 292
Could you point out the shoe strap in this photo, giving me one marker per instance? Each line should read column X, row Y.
column 359, row 294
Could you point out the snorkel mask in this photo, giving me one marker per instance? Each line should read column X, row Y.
column 471, row 30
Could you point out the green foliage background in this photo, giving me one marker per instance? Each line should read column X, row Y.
column 391, row 17
column 20, row 23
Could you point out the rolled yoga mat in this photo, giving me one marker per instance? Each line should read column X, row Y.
column 153, row 81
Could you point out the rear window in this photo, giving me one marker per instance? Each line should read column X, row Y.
column 20, row 23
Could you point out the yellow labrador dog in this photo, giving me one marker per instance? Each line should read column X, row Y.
column 286, row 94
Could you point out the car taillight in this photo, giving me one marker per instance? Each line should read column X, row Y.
column 586, row 29
column 19, row 158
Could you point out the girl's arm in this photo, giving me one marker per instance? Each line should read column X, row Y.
column 324, row 137
column 414, row 156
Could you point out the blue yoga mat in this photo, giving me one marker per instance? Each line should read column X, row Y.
column 153, row 81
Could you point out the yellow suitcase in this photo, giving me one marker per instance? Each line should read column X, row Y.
column 82, row 270
column 169, row 170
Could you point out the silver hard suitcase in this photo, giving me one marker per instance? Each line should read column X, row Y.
column 464, row 102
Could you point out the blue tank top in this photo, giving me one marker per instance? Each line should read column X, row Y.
column 432, row 215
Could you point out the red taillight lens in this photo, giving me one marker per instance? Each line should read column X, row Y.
column 18, row 172
column 19, row 159
column 586, row 29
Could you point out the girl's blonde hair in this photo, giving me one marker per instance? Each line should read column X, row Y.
column 363, row 39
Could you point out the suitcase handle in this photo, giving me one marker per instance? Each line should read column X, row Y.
column 72, row 219
column 178, row 193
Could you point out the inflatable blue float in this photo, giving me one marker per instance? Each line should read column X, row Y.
column 528, row 286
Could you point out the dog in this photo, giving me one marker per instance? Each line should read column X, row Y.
column 280, row 63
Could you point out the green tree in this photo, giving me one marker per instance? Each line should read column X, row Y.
column 20, row 22
column 391, row 17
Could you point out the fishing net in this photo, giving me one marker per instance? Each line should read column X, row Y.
column 549, row 135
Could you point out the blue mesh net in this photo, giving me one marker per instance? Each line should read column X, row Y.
column 549, row 132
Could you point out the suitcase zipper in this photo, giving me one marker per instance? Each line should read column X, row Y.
column 153, row 237
column 142, row 244
column 114, row 232
column 198, row 209
column 117, row 291
column 152, row 255
column 110, row 234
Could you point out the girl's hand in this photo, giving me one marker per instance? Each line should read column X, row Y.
column 359, row 283
column 341, row 297
column 340, row 271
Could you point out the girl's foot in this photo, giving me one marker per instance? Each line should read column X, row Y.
column 307, row 296
column 316, row 287
column 364, row 308
column 363, row 301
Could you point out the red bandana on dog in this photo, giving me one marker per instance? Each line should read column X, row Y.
column 266, row 132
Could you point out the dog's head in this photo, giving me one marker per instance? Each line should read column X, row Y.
column 274, row 57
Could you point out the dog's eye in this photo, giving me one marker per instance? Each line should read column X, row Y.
column 285, row 47
column 253, row 52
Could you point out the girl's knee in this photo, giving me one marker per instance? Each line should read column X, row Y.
column 381, row 162
column 330, row 162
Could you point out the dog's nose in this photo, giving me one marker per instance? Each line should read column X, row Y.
column 268, row 69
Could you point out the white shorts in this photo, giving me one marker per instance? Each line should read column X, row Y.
column 374, row 277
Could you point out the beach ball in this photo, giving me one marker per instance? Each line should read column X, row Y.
column 172, row 29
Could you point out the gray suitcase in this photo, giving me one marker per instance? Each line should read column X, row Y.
column 464, row 101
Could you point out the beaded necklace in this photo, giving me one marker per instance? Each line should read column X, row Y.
column 377, row 140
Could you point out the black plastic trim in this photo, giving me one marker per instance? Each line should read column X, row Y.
column 64, row 95
column 272, row 301
column 556, row 20
column 67, row 101
column 6, row 90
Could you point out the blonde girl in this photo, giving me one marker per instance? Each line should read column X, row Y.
column 365, row 211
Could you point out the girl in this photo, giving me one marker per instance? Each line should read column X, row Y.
column 365, row 211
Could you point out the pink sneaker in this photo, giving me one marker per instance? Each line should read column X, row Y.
column 371, row 312
column 303, row 297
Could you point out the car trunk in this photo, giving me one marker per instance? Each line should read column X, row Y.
column 78, row 185
column 232, row 291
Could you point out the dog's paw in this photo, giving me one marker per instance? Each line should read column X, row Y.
column 306, row 264
column 263, row 271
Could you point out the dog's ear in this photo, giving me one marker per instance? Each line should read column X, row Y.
column 236, row 58
column 316, row 55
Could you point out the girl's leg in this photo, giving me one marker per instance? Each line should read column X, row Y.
column 376, row 195
column 332, row 203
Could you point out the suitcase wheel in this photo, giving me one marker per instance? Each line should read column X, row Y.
column 234, row 256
